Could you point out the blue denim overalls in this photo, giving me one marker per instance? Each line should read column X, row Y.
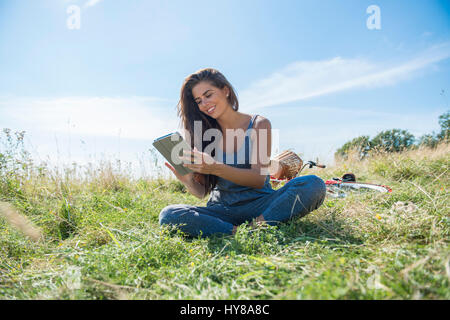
column 230, row 204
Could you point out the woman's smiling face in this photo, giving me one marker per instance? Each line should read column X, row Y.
column 211, row 100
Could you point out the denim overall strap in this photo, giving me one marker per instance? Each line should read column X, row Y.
column 246, row 143
column 251, row 121
column 224, row 157
column 247, row 139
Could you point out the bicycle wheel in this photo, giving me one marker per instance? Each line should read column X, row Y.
column 339, row 189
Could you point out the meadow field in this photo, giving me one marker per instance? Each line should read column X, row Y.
column 66, row 235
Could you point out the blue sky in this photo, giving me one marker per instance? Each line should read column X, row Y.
column 312, row 67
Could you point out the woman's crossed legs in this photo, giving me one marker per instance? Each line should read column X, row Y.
column 297, row 197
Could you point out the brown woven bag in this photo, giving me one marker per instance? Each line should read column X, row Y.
column 289, row 164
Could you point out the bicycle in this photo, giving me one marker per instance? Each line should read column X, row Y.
column 339, row 187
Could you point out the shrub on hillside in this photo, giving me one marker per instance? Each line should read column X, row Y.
column 361, row 145
column 444, row 122
column 394, row 140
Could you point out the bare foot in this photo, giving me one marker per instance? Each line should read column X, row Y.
column 259, row 220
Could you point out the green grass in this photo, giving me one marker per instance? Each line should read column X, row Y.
column 101, row 240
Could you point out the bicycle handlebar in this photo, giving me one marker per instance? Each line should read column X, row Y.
column 313, row 164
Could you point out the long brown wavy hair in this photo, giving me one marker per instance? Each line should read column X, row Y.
column 189, row 112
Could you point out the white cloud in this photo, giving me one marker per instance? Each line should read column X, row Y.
column 91, row 3
column 84, row 129
column 307, row 79
column 133, row 118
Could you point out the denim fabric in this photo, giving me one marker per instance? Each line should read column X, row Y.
column 231, row 204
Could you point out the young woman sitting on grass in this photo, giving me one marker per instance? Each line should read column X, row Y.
column 235, row 178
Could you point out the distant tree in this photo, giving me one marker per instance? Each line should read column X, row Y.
column 444, row 122
column 394, row 140
column 428, row 140
column 359, row 144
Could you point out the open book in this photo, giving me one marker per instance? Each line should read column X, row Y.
column 171, row 146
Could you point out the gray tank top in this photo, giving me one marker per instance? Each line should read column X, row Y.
column 229, row 193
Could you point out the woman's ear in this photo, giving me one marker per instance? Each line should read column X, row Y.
column 227, row 91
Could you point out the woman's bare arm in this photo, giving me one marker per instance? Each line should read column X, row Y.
column 260, row 157
column 254, row 177
column 194, row 184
